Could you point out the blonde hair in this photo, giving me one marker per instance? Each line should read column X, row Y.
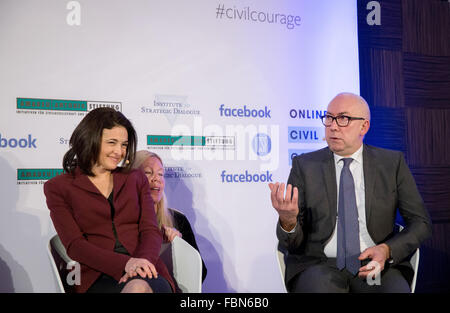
column 163, row 215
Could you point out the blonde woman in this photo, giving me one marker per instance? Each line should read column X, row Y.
column 171, row 222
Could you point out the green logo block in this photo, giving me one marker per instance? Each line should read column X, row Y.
column 51, row 104
column 166, row 140
column 38, row 173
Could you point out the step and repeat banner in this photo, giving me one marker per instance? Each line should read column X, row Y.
column 226, row 92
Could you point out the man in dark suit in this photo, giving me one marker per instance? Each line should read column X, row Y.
column 338, row 215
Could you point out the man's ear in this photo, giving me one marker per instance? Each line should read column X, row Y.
column 365, row 127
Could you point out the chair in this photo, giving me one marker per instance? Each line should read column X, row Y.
column 415, row 265
column 281, row 265
column 182, row 260
column 59, row 261
column 185, row 264
column 414, row 261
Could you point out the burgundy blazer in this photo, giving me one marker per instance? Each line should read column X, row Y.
column 82, row 218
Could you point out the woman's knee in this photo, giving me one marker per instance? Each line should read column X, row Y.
column 137, row 286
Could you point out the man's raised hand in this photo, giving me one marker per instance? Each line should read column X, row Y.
column 284, row 204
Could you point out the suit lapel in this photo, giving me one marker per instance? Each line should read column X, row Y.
column 369, row 179
column 329, row 173
column 119, row 181
column 82, row 181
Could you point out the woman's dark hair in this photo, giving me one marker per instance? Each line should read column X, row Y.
column 85, row 141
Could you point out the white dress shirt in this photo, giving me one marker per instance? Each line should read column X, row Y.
column 356, row 168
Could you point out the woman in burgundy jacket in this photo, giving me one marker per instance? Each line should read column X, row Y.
column 104, row 213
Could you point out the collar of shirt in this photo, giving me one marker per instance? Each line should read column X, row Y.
column 357, row 156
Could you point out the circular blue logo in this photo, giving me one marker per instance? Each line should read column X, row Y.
column 261, row 144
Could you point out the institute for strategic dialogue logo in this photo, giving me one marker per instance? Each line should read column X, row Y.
column 61, row 106
column 175, row 175
column 35, row 176
column 179, row 172
column 261, row 144
column 170, row 106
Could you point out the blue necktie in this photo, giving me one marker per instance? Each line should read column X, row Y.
column 348, row 249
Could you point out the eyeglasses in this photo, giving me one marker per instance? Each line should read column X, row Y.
column 341, row 120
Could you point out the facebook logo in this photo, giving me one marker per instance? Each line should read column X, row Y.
column 29, row 142
column 244, row 112
column 246, row 177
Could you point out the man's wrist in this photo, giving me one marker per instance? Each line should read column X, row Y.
column 288, row 226
column 388, row 252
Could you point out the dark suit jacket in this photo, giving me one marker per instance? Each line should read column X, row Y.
column 389, row 186
column 82, row 218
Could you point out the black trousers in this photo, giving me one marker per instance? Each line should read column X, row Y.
column 325, row 277
column 107, row 284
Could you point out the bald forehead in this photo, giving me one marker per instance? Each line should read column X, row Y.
column 349, row 103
